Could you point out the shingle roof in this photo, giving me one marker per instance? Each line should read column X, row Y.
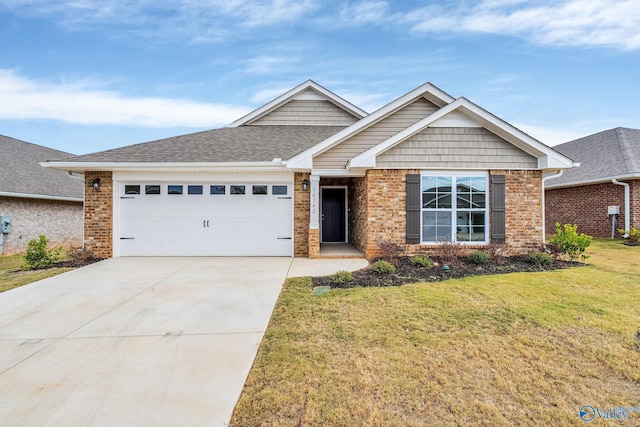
column 20, row 171
column 240, row 144
column 608, row 154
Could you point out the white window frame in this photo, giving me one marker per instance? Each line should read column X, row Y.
column 454, row 175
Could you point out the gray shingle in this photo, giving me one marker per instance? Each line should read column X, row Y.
column 20, row 171
column 241, row 144
column 607, row 154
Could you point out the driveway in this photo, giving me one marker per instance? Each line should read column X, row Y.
column 135, row 341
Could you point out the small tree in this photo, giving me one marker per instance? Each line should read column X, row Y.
column 39, row 255
column 569, row 243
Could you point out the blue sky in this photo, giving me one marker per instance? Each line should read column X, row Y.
column 88, row 75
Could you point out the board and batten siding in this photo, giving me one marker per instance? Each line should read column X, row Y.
column 338, row 156
column 456, row 148
column 307, row 112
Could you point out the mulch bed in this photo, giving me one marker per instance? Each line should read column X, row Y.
column 458, row 267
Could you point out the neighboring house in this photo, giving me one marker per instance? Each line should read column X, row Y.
column 310, row 169
column 38, row 200
column 609, row 175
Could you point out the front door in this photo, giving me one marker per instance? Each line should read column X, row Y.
column 334, row 208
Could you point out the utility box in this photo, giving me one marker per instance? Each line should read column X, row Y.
column 613, row 210
column 5, row 224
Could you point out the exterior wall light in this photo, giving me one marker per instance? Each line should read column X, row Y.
column 96, row 183
column 305, row 184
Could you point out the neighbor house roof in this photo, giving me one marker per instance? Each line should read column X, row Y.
column 613, row 153
column 22, row 176
column 237, row 145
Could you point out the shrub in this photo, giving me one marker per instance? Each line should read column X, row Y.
column 569, row 243
column 421, row 261
column 382, row 267
column 634, row 234
column 539, row 258
column 389, row 250
column 39, row 255
column 342, row 277
column 479, row 257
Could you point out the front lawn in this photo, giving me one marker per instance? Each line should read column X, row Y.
column 512, row 349
column 12, row 275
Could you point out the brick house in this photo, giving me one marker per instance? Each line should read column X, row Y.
column 609, row 175
column 309, row 170
column 38, row 200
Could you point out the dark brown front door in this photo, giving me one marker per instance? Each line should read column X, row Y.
column 334, row 225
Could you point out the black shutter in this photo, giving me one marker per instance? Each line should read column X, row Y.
column 498, row 233
column 413, row 208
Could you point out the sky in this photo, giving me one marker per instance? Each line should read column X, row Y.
column 89, row 75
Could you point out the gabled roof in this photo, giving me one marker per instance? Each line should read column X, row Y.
column 245, row 144
column 22, row 176
column 427, row 90
column 300, row 91
column 466, row 113
column 613, row 153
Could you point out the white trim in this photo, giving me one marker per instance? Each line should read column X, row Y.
column 339, row 173
column 291, row 94
column 314, row 202
column 41, row 197
column 547, row 157
column 346, row 211
column 605, row 180
column 162, row 166
column 305, row 159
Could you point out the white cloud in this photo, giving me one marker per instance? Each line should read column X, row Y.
column 551, row 136
column 364, row 12
column 78, row 103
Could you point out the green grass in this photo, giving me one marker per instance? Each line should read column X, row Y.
column 515, row 349
column 12, row 276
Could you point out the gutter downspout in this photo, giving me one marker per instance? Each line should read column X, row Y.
column 627, row 208
column 558, row 174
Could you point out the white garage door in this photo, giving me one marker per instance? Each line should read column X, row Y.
column 205, row 219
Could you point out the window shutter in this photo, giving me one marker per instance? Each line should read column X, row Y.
column 498, row 233
column 413, row 208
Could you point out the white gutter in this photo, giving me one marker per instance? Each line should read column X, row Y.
column 627, row 208
column 160, row 166
column 41, row 196
column 558, row 174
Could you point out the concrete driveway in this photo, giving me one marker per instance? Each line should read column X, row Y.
column 135, row 341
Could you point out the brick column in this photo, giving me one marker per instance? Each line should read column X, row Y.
column 98, row 214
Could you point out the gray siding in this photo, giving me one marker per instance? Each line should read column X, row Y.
column 457, row 148
column 338, row 156
column 306, row 112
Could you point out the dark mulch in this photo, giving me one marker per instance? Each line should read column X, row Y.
column 458, row 267
column 78, row 258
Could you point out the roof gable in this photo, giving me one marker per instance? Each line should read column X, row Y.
column 427, row 91
column 309, row 93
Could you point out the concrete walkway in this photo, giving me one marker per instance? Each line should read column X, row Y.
column 139, row 341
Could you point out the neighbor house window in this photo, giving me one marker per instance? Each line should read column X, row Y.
column 454, row 208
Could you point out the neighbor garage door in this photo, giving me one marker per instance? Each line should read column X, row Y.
column 205, row 219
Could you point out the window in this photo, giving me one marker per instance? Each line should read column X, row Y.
column 260, row 189
column 217, row 189
column 454, row 208
column 236, row 189
column 151, row 189
column 174, row 189
column 279, row 190
column 131, row 189
column 194, row 189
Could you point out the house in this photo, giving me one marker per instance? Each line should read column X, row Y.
column 37, row 200
column 609, row 175
column 309, row 169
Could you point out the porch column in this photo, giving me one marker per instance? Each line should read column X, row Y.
column 314, row 217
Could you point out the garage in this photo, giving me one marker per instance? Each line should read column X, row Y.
column 203, row 218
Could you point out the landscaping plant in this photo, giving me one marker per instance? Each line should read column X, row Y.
column 382, row 267
column 421, row 261
column 567, row 242
column 479, row 257
column 39, row 255
column 342, row 277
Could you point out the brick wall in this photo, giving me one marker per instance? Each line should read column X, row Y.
column 301, row 216
column 586, row 206
column 60, row 221
column 386, row 212
column 358, row 204
column 635, row 203
column 98, row 214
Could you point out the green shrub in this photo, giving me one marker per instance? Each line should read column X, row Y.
column 567, row 242
column 421, row 261
column 479, row 257
column 539, row 258
column 382, row 267
column 342, row 277
column 39, row 255
column 634, row 234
